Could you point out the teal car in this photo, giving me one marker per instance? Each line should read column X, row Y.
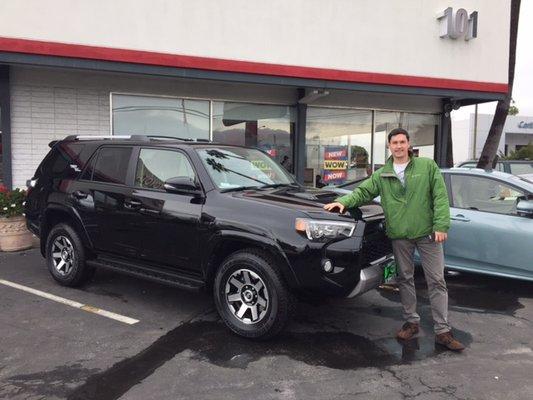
column 491, row 223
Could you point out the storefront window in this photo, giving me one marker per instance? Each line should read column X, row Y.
column 338, row 145
column 422, row 130
column 268, row 127
column 164, row 116
column 384, row 123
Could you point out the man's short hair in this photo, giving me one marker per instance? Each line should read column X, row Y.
column 398, row 131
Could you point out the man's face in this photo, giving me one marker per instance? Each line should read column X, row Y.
column 399, row 146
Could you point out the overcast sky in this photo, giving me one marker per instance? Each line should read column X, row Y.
column 523, row 79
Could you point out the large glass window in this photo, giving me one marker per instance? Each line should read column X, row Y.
column 268, row 127
column 155, row 167
column 338, row 145
column 422, row 130
column 163, row 116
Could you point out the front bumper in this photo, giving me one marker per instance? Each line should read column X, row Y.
column 370, row 277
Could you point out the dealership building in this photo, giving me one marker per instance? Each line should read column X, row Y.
column 316, row 84
column 469, row 135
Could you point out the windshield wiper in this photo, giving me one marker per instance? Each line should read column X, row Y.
column 277, row 185
column 238, row 188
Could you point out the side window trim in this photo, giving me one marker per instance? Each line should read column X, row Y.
column 133, row 167
column 90, row 162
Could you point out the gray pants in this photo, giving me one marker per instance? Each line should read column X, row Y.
column 432, row 257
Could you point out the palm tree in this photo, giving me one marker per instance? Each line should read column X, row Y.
column 502, row 109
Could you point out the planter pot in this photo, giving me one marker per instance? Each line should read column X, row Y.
column 14, row 235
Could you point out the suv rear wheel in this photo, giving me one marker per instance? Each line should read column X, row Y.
column 251, row 296
column 65, row 256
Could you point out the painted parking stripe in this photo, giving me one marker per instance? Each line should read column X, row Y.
column 71, row 303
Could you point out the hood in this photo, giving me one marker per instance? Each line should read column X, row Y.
column 308, row 200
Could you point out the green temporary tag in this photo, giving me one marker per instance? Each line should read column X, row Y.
column 390, row 271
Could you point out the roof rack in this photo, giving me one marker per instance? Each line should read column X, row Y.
column 132, row 137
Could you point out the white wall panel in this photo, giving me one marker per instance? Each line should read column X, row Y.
column 386, row 36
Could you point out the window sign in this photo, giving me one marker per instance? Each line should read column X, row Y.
column 335, row 168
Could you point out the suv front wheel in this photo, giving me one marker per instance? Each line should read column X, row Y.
column 65, row 256
column 251, row 296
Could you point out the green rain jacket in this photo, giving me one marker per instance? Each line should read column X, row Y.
column 417, row 209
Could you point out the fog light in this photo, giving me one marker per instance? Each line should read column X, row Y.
column 327, row 265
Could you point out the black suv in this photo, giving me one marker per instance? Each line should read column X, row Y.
column 201, row 215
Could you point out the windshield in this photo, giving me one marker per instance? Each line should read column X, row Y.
column 237, row 168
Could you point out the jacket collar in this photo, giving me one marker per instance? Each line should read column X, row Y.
column 388, row 167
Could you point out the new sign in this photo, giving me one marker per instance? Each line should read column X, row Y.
column 335, row 165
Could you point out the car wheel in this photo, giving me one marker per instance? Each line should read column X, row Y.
column 65, row 257
column 251, row 296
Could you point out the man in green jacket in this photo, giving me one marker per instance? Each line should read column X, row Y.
column 417, row 215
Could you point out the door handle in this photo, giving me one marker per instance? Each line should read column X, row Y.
column 460, row 217
column 132, row 204
column 78, row 194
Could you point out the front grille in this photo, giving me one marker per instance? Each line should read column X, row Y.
column 375, row 246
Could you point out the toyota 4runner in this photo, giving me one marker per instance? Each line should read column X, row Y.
column 201, row 215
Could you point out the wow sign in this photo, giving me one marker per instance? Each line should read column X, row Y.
column 335, row 165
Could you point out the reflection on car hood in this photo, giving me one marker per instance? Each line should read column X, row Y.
column 310, row 201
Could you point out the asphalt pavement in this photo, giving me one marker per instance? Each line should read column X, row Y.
column 68, row 346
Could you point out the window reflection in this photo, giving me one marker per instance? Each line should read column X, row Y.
column 338, row 145
column 422, row 129
column 150, row 115
column 268, row 127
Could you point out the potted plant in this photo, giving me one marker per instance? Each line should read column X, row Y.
column 13, row 232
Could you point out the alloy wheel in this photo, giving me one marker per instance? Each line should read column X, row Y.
column 246, row 296
column 62, row 255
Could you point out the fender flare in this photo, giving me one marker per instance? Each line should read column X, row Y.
column 249, row 240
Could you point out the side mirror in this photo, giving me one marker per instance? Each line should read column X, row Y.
column 524, row 208
column 182, row 185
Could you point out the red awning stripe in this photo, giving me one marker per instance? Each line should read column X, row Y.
column 215, row 64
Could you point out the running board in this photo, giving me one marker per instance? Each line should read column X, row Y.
column 149, row 273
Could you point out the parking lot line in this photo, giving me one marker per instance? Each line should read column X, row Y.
column 71, row 303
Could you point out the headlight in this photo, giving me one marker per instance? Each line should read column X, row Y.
column 319, row 230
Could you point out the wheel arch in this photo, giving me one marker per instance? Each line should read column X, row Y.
column 56, row 214
column 224, row 244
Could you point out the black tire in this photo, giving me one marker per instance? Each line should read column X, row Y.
column 77, row 271
column 264, row 273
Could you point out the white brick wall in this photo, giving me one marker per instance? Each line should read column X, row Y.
column 47, row 111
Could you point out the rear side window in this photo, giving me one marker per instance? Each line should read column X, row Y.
column 65, row 160
column 110, row 165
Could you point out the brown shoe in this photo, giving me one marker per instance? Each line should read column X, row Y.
column 408, row 330
column 447, row 340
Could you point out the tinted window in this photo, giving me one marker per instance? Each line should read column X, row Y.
column 112, row 165
column 484, row 194
column 154, row 167
column 66, row 160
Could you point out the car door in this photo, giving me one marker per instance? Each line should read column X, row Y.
column 100, row 198
column 487, row 234
column 167, row 223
